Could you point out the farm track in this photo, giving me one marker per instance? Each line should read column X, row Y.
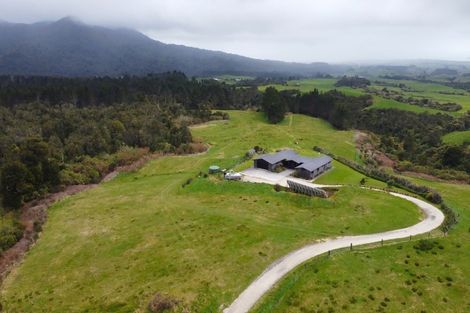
column 277, row 270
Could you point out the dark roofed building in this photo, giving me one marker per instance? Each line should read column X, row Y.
column 305, row 167
column 314, row 167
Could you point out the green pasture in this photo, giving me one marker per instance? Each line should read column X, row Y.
column 168, row 228
column 393, row 278
column 457, row 138
column 437, row 92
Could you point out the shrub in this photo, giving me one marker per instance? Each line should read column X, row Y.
column 127, row 155
column 424, row 245
column 10, row 232
column 161, row 303
column 196, row 147
column 434, row 197
column 187, row 182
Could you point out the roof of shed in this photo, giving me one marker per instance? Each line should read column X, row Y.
column 309, row 164
column 312, row 164
column 279, row 156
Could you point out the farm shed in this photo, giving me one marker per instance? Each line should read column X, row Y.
column 305, row 167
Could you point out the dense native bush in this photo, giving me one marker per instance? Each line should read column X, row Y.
column 43, row 146
column 83, row 92
column 60, row 131
column 273, row 106
column 333, row 106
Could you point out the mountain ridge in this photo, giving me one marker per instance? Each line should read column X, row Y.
column 68, row 47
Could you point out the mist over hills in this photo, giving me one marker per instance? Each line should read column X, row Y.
column 70, row 48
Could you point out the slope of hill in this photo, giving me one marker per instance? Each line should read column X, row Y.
column 70, row 48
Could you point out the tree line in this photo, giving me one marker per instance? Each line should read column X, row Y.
column 82, row 92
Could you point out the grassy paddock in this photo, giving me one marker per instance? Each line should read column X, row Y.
column 437, row 92
column 433, row 91
column 111, row 248
column 382, row 103
column 457, row 138
column 398, row 278
column 308, row 85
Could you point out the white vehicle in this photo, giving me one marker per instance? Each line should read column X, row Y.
column 232, row 176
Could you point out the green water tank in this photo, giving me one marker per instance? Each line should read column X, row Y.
column 214, row 169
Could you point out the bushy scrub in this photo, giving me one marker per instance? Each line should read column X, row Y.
column 10, row 231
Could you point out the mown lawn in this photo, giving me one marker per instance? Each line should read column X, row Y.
column 395, row 278
column 111, row 248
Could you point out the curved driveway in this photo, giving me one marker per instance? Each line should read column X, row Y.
column 247, row 299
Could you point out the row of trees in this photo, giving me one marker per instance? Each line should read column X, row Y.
column 335, row 107
column 82, row 92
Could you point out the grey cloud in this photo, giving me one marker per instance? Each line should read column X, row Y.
column 295, row 30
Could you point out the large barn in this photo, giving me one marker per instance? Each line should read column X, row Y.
column 305, row 167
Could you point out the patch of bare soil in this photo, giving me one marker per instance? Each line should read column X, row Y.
column 365, row 144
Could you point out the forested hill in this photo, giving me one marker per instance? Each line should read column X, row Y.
column 71, row 48
column 65, row 131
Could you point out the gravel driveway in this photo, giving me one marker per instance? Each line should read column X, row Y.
column 248, row 298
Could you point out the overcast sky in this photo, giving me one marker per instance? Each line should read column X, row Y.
column 290, row 30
